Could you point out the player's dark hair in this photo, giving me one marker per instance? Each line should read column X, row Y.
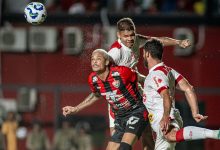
column 125, row 24
column 155, row 48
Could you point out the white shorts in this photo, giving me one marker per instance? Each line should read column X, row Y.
column 111, row 117
column 161, row 143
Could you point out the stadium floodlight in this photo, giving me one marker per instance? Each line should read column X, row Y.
column 72, row 40
column 13, row 39
column 181, row 34
column 42, row 39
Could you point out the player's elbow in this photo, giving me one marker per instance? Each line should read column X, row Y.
column 188, row 89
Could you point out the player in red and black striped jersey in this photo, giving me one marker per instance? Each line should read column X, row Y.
column 119, row 89
column 118, row 85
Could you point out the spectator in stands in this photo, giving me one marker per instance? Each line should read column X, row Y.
column 65, row 137
column 185, row 5
column 168, row 6
column 37, row 139
column 84, row 139
column 199, row 7
column 9, row 128
column 2, row 139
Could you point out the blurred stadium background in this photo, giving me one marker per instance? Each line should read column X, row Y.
column 45, row 67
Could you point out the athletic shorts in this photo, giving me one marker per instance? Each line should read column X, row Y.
column 133, row 123
column 111, row 117
column 176, row 121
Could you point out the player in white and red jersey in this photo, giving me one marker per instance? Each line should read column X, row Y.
column 126, row 51
column 117, row 85
column 159, row 93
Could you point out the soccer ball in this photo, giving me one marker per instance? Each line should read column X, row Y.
column 35, row 13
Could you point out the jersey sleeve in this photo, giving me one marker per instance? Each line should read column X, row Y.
column 91, row 78
column 159, row 81
column 177, row 76
column 115, row 54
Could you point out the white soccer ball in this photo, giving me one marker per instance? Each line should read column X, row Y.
column 35, row 13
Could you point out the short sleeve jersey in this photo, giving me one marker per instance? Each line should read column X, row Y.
column 119, row 89
column 160, row 77
column 124, row 56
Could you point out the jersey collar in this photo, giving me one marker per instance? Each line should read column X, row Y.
column 160, row 64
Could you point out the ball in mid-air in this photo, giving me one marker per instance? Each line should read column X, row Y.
column 35, row 13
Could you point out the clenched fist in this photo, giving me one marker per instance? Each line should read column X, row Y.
column 67, row 110
column 184, row 43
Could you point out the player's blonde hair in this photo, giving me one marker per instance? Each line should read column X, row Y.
column 104, row 52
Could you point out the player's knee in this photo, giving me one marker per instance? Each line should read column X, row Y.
column 125, row 146
column 171, row 136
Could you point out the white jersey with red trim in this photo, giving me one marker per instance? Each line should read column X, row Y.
column 124, row 56
column 160, row 77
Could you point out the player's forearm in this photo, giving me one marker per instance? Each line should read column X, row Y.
column 166, row 41
column 167, row 102
column 167, row 106
column 192, row 100
column 87, row 102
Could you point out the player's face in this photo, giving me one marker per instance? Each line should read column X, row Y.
column 98, row 62
column 127, row 37
column 145, row 58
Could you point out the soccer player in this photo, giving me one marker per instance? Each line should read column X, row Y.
column 125, row 52
column 159, row 92
column 118, row 85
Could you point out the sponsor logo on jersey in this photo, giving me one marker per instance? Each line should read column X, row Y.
column 157, row 81
column 116, row 83
column 94, row 79
column 150, row 117
column 115, row 74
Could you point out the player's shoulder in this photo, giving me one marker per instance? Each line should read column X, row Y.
column 122, row 69
column 92, row 77
column 155, row 73
column 163, row 69
column 115, row 45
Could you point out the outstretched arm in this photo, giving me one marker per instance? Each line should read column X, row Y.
column 166, row 41
column 89, row 100
column 191, row 97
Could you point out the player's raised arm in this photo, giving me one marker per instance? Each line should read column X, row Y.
column 89, row 100
column 191, row 97
column 167, row 41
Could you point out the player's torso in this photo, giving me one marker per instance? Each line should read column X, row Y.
column 152, row 99
column 128, row 56
column 118, row 91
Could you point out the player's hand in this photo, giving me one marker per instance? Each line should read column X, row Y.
column 164, row 124
column 67, row 110
column 184, row 43
column 199, row 117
